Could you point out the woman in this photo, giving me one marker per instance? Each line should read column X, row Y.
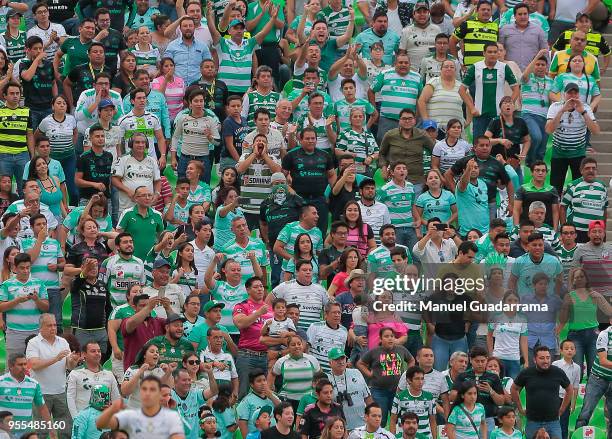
column 383, row 366
column 335, row 428
column 196, row 214
column 146, row 55
column 495, row 365
column 186, row 274
column 359, row 143
column 123, row 82
column 434, row 202
column 229, row 177
column 159, row 40
column 199, row 191
column 380, row 318
column 345, row 190
column 311, row 10
column 576, row 73
column 50, row 188
column 507, row 336
column 60, row 127
column 579, row 312
column 508, row 133
column 145, row 364
column 227, row 209
column 360, row 235
column 8, row 264
column 171, row 86
column 473, row 235
column 446, row 152
column 349, row 260
column 302, row 249
column 440, row 98
column 14, row 39
column 97, row 208
column 6, row 69
column 296, row 369
column 199, row 373
column 467, row 419
column 191, row 313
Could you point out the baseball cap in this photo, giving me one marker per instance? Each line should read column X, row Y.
column 213, row 304
column 579, row 15
column 265, row 409
column 571, row 86
column 105, row 103
column 160, row 262
column 12, row 13
column 597, row 224
column 421, row 5
column 236, row 22
column 430, row 124
column 336, row 353
column 173, row 317
column 278, row 176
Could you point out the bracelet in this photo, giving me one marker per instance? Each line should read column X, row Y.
column 583, row 113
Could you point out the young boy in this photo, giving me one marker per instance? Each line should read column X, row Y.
column 572, row 370
column 342, row 108
column 177, row 212
column 233, row 131
column 277, row 327
column 415, row 399
column 262, row 419
column 507, row 421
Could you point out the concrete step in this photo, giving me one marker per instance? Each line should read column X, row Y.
column 603, row 167
column 604, row 113
column 605, row 124
column 606, row 82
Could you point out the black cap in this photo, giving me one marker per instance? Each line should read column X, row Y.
column 172, row 317
column 579, row 15
column 571, row 86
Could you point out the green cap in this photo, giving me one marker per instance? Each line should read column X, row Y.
column 336, row 353
column 213, row 304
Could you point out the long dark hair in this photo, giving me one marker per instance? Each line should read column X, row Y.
column 140, row 356
column 359, row 221
column 32, row 175
column 463, row 389
column 223, row 193
column 344, row 256
column 222, row 402
column 179, row 257
column 296, row 247
column 584, row 72
column 236, row 184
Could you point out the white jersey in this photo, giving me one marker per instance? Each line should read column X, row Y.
column 434, row 383
column 172, row 292
column 311, row 298
column 45, row 36
column 25, row 229
column 160, row 426
column 135, row 173
column 323, row 339
column 335, row 89
column 376, row 215
column 146, row 124
column 80, row 383
column 362, row 433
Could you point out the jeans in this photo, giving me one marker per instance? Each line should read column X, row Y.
column 558, row 171
column 99, row 336
column 539, row 137
column 479, row 125
column 269, row 55
column 564, row 420
column 184, row 160
column 322, row 209
column 55, row 306
column 406, row 236
column 384, row 124
column 586, row 351
column 384, row 398
column 490, row 426
column 12, row 165
column 443, row 349
column 596, row 388
column 276, row 263
column 511, row 368
column 553, row 428
column 69, row 167
column 246, row 362
column 37, row 116
column 493, row 210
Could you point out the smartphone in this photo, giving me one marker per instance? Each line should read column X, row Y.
column 441, row 227
column 179, row 231
column 162, row 292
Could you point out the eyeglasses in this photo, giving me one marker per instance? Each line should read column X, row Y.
column 192, row 362
column 407, row 118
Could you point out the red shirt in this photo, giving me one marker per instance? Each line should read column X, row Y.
column 249, row 336
column 134, row 341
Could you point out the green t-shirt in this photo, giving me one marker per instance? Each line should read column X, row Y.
column 121, row 312
column 76, row 53
column 198, row 335
column 255, row 9
column 169, row 353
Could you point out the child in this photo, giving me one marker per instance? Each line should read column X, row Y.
column 263, row 420
column 208, row 423
column 506, row 430
column 360, row 327
column 275, row 327
column 224, row 412
column 572, row 370
column 177, row 212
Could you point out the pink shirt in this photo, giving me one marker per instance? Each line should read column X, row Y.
column 338, row 281
column 399, row 328
column 175, row 91
column 249, row 336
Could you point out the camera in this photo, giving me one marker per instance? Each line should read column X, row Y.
column 344, row 396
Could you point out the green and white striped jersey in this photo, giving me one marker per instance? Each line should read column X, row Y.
column 363, row 144
column 234, row 251
column 534, row 94
column 379, row 259
column 235, row 63
column 397, row 92
column 604, row 344
column 256, row 184
column 337, row 22
column 585, row 202
column 19, row 397
column 50, row 252
column 342, row 110
column 120, row 274
column 24, row 316
column 289, row 234
column 297, row 375
column 550, row 236
column 311, row 298
column 323, row 142
column 399, row 200
column 254, row 100
column 569, row 139
column 423, row 405
column 230, row 296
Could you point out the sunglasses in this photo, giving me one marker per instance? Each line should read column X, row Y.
column 192, row 362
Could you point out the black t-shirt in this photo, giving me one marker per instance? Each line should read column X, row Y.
column 527, row 193
column 308, row 171
column 273, row 433
column 387, row 366
column 79, row 251
column 114, row 43
column 215, row 96
column 514, row 133
column 327, row 256
column 483, row 397
column 277, row 216
column 313, row 421
column 83, row 78
column 542, row 387
column 347, row 304
column 121, row 83
column 91, row 304
column 95, row 168
column 490, row 170
column 37, row 92
column 337, row 202
column 449, row 325
column 61, row 10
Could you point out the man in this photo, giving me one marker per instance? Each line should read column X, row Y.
column 325, row 335
column 309, row 58
column 568, row 121
column 51, row 34
column 260, row 397
column 537, row 191
column 541, row 381
column 436, row 246
column 136, row 170
column 161, row 286
column 122, row 270
column 568, row 235
column 299, row 96
column 152, row 420
column 490, row 390
column 399, row 90
column 373, row 211
column 356, row 283
column 316, row 117
column 257, row 16
column 189, row 400
column 139, row 120
column 94, row 167
column 373, row 425
column 190, row 9
column 474, row 34
column 187, row 52
column 486, row 78
column 50, row 357
column 596, row 43
column 22, row 300
column 19, row 394
column 222, row 365
column 418, row 38
column 284, row 417
column 458, row 364
column 75, row 49
column 81, row 380
column 415, row 399
column 472, row 200
column 534, row 17
column 584, row 200
column 410, row 425
column 329, row 258
column 318, row 413
column 216, row 90
column 379, row 260
column 594, row 256
column 155, row 102
column 36, row 74
column 263, row 96
column 379, row 31
column 83, row 76
column 115, row 337
column 243, row 244
column 434, row 380
column 112, row 39
column 31, row 205
column 87, row 110
column 16, row 134
column 311, row 170
column 560, row 61
column 172, row 345
column 350, row 66
column 522, row 39
column 203, row 254
column 431, row 64
column 142, row 222
column 520, row 246
column 536, row 261
column 486, row 242
column 212, row 316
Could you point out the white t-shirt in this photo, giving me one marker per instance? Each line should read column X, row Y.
column 202, row 259
column 52, row 379
column 507, row 332
column 335, row 88
column 140, row 426
column 395, row 24
column 448, row 155
column 173, row 292
column 45, row 36
column 376, row 216
column 435, row 383
column 135, row 173
column 230, row 372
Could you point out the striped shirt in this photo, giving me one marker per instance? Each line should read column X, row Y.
column 551, row 237
column 311, row 298
column 189, row 133
column 254, row 100
column 24, row 316
column 448, row 155
column 363, row 144
column 587, row 86
column 235, row 63
column 50, row 252
column 379, row 259
column 534, row 93
column 585, row 202
column 337, row 22
column 603, row 344
column 444, row 104
column 569, row 139
column 322, row 339
column 399, row 200
column 256, row 184
column 60, row 135
column 320, row 126
column 297, row 375
column 146, row 59
column 235, row 251
column 174, row 93
column 229, row 295
column 289, row 234
column 342, row 110
column 20, row 397
column 14, row 126
column 397, row 92
column 120, row 274
column 422, row 405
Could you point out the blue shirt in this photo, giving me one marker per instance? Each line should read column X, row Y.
column 390, row 41
column 156, row 104
column 541, row 324
column 187, row 59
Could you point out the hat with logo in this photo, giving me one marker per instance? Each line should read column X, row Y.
column 336, row 353
column 237, row 22
column 421, row 5
column 173, row 317
column 105, row 103
column 213, row 304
